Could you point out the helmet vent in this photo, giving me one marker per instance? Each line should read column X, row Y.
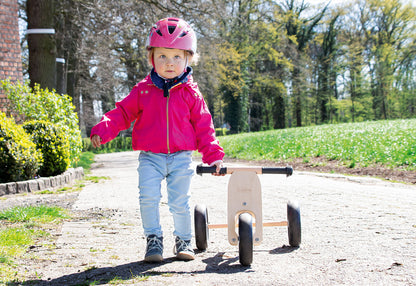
column 171, row 29
column 159, row 33
column 182, row 35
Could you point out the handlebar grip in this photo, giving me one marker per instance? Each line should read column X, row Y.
column 288, row 171
column 209, row 170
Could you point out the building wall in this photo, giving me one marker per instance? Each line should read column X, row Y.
column 10, row 52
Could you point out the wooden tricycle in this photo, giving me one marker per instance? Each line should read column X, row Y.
column 244, row 205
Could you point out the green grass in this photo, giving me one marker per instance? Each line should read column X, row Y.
column 96, row 179
column 85, row 161
column 21, row 227
column 389, row 143
column 36, row 214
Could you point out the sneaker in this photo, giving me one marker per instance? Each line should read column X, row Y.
column 183, row 249
column 154, row 249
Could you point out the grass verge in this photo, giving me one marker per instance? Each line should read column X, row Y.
column 85, row 161
column 20, row 228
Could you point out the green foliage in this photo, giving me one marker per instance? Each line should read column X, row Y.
column 221, row 131
column 51, row 141
column 19, row 158
column 42, row 214
column 118, row 144
column 390, row 143
column 42, row 104
column 231, row 83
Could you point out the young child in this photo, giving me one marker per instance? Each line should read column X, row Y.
column 172, row 119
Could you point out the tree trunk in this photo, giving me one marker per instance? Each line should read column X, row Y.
column 297, row 95
column 41, row 43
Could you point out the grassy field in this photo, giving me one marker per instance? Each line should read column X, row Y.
column 390, row 143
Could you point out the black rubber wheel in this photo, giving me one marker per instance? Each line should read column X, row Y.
column 293, row 224
column 201, row 227
column 245, row 233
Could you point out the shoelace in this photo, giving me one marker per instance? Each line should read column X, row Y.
column 184, row 246
column 154, row 242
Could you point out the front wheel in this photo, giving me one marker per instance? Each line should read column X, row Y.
column 245, row 232
column 293, row 224
column 201, row 227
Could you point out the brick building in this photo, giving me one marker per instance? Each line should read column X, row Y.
column 10, row 52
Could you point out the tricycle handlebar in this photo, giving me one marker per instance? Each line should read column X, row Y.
column 288, row 171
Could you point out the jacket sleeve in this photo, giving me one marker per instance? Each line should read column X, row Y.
column 119, row 118
column 201, row 120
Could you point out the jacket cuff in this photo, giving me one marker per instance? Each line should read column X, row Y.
column 213, row 163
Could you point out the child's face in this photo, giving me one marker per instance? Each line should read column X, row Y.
column 169, row 63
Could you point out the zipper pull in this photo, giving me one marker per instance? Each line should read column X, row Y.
column 165, row 89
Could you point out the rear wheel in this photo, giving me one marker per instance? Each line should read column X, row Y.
column 201, row 227
column 245, row 232
column 293, row 224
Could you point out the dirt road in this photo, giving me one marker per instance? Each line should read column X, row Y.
column 355, row 231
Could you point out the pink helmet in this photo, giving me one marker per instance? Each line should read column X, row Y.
column 172, row 33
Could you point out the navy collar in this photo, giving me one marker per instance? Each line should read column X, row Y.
column 167, row 84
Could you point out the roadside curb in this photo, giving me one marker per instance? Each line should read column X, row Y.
column 41, row 184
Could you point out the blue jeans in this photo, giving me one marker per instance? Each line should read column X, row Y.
column 176, row 169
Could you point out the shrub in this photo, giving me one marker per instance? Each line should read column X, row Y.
column 118, row 144
column 51, row 141
column 19, row 159
column 221, row 131
column 42, row 104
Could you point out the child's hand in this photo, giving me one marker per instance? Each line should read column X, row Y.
column 95, row 140
column 218, row 164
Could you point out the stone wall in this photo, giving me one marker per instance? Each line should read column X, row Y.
column 41, row 184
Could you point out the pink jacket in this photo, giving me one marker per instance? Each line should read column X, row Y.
column 170, row 124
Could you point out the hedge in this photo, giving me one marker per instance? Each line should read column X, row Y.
column 51, row 141
column 19, row 158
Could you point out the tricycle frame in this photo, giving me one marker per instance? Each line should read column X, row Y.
column 245, row 204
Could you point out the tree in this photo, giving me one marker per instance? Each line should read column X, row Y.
column 389, row 28
column 230, row 86
column 355, row 46
column 263, row 64
column 268, row 99
column 299, row 31
column 41, row 44
column 327, row 71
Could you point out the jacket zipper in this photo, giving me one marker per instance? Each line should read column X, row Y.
column 167, row 123
column 167, row 117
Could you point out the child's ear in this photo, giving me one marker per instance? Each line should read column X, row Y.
column 193, row 58
column 150, row 57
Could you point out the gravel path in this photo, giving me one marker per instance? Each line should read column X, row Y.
column 355, row 231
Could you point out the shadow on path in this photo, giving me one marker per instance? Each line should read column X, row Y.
column 219, row 264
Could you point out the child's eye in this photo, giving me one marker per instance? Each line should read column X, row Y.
column 162, row 57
